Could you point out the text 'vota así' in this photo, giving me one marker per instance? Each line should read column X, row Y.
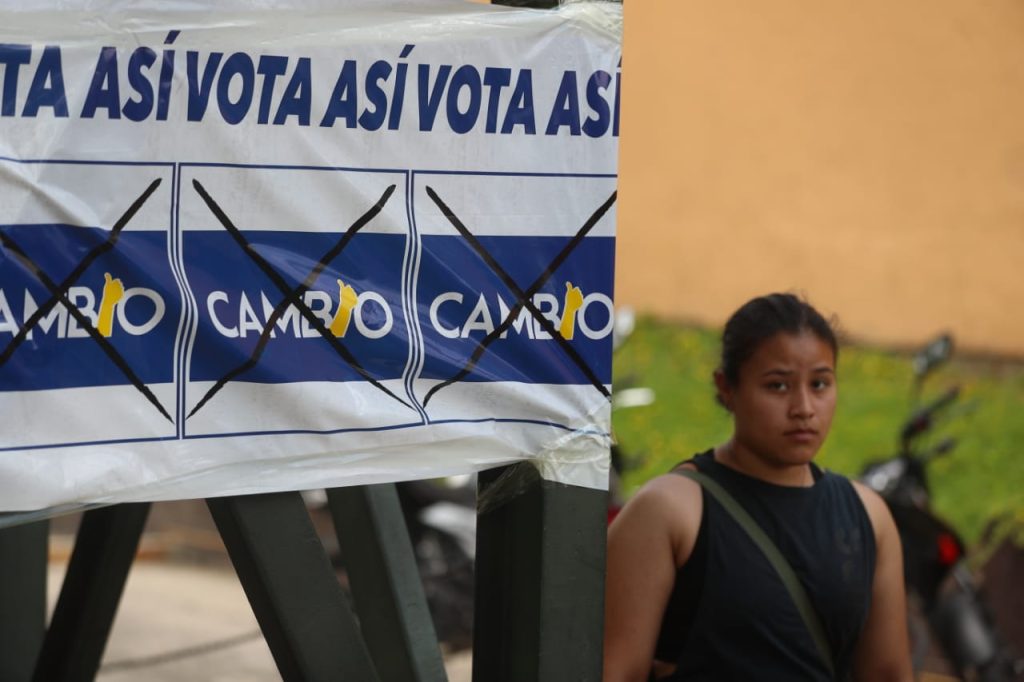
column 136, row 85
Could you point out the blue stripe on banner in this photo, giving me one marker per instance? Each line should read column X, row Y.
column 131, row 287
column 462, row 300
column 358, row 297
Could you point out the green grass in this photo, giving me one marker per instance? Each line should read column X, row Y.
column 982, row 478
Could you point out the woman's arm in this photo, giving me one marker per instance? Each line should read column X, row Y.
column 649, row 539
column 883, row 653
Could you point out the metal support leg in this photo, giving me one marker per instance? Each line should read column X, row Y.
column 23, row 557
column 104, row 550
column 292, row 588
column 386, row 586
column 540, row 579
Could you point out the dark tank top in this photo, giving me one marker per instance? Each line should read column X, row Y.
column 730, row 617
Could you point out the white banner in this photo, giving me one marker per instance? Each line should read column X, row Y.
column 281, row 250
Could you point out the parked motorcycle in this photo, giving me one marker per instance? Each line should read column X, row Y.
column 939, row 583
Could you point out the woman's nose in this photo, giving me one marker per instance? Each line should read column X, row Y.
column 802, row 406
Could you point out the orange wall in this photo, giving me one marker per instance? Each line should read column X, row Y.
column 869, row 154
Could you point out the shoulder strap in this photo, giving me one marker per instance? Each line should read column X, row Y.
column 789, row 579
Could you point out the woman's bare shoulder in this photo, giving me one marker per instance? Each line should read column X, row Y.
column 668, row 492
column 671, row 503
column 877, row 509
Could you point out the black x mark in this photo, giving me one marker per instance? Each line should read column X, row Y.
column 293, row 296
column 58, row 294
column 524, row 299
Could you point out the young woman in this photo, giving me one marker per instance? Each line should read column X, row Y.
column 689, row 594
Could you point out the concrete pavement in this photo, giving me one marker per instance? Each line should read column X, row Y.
column 186, row 621
column 191, row 622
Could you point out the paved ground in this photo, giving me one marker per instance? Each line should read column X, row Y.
column 184, row 616
column 186, row 621
column 191, row 622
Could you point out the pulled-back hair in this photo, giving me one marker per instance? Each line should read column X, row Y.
column 762, row 318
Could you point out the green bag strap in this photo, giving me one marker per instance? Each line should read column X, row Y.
column 771, row 552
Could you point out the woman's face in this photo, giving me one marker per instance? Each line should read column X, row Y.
column 783, row 404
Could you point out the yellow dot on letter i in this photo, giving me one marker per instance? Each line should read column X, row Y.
column 571, row 306
column 347, row 300
column 113, row 292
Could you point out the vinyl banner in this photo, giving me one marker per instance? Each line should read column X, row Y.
column 278, row 250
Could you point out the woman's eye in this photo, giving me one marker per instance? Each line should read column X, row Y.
column 820, row 384
column 776, row 386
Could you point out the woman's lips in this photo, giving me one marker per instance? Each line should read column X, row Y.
column 802, row 435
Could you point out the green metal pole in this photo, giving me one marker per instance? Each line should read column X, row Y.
column 386, row 586
column 105, row 548
column 23, row 559
column 540, row 579
column 292, row 588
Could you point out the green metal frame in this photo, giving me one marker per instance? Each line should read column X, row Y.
column 290, row 583
column 539, row 586
column 386, row 587
column 107, row 541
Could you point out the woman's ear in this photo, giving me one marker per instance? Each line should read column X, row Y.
column 724, row 389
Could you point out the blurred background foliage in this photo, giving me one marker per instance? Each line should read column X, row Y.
column 981, row 480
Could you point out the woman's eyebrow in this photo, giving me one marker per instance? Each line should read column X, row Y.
column 778, row 371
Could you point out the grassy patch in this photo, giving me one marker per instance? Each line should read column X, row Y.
column 982, row 478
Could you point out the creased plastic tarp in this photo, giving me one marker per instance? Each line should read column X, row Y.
column 271, row 249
